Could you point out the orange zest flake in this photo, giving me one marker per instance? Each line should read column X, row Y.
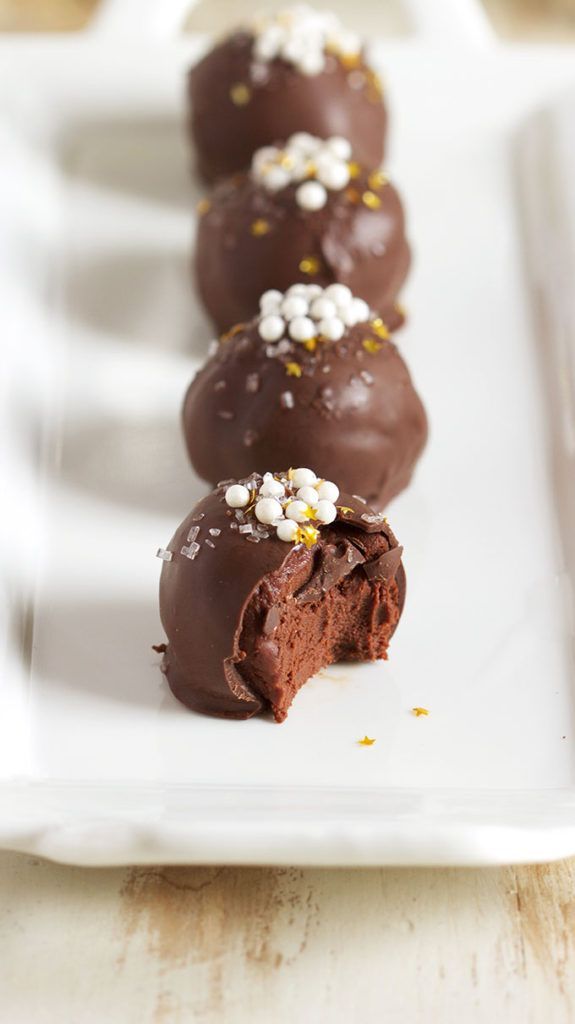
column 370, row 200
column 371, row 345
column 203, row 206
column 380, row 328
column 240, row 94
column 290, row 474
column 307, row 535
column 400, row 309
column 353, row 195
column 293, row 369
column 236, row 329
column 366, row 742
column 377, row 179
column 374, row 86
column 309, row 265
column 353, row 168
column 350, row 61
column 311, row 344
column 259, row 227
column 418, row 712
column 310, row 169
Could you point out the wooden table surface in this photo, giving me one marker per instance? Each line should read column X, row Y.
column 174, row 945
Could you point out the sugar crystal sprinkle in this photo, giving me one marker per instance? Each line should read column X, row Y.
column 191, row 551
column 214, row 531
column 287, row 400
column 165, row 555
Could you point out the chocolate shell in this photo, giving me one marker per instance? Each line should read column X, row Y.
column 348, row 407
column 249, row 621
column 237, row 105
column 250, row 239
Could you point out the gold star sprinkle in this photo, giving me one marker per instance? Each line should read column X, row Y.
column 310, row 344
column 203, row 206
column 236, row 329
column 379, row 328
column 309, row 265
column 371, row 345
column 370, row 200
column 353, row 168
column 345, row 511
column 418, row 712
column 377, row 179
column 293, row 369
column 307, row 535
column 259, row 227
column 366, row 742
column 240, row 94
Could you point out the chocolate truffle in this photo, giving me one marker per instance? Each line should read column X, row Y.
column 307, row 209
column 268, row 580
column 315, row 377
column 297, row 70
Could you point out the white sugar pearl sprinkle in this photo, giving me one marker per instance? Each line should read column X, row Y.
column 326, row 512
column 338, row 293
column 309, row 495
column 237, row 496
column 276, row 178
column 360, row 310
column 303, row 478
column 321, row 308
column 301, row 328
column 304, row 141
column 270, row 301
column 272, row 489
column 333, row 174
column 268, row 510
column 331, row 328
column 297, row 510
column 328, row 491
column 294, row 305
column 271, row 327
column 301, row 289
column 340, row 146
column 311, row 195
column 313, row 291
column 287, row 530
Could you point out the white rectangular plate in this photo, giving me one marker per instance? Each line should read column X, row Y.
column 98, row 763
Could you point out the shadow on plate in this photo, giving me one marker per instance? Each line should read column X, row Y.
column 145, row 158
column 144, row 297
column 103, row 647
column 141, row 464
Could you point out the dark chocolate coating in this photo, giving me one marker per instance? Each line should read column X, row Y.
column 363, row 248
column 226, row 135
column 220, row 639
column 366, row 432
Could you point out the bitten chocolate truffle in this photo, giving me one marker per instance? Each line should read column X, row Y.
column 297, row 70
column 268, row 580
column 314, row 377
column 307, row 210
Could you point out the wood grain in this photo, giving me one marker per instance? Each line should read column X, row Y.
column 157, row 945
column 528, row 19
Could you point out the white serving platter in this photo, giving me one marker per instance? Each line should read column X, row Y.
column 100, row 335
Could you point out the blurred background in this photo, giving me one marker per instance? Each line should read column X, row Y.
column 534, row 20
